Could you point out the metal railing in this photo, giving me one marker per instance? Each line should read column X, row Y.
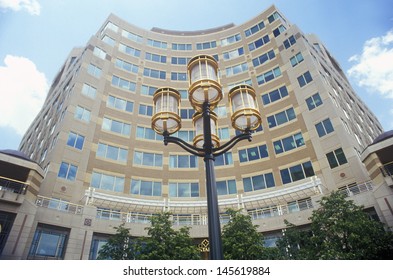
column 14, row 186
column 59, row 205
column 354, row 189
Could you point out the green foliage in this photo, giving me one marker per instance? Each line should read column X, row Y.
column 164, row 243
column 240, row 239
column 339, row 230
column 119, row 247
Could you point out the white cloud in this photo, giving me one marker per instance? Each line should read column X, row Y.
column 373, row 68
column 22, row 91
column 33, row 7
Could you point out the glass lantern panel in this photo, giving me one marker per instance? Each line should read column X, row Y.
column 203, row 70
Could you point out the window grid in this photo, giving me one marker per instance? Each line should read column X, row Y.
column 75, row 140
column 234, row 70
column 147, row 159
column 289, row 42
column 155, row 57
column 206, row 45
column 314, row 101
column 230, row 40
column 225, row 187
column 120, row 104
column 116, row 126
column 178, row 76
column 304, row 79
column 144, row 187
column 263, row 58
column 254, row 29
column 148, row 133
column 107, row 182
column 126, row 66
column 178, row 189
column 148, row 90
column 112, row 152
column 336, row 158
column 94, row 70
column 268, row 76
column 224, row 159
column 324, row 127
column 123, row 83
column 129, row 50
column 233, row 54
column 67, row 171
column 145, row 110
column 281, row 118
column 153, row 73
column 82, row 114
column 288, row 143
column 253, row 153
column 157, row 44
column 258, row 182
column 132, row 36
column 183, row 161
column 259, row 43
column 296, row 59
column 297, row 172
column 89, row 91
column 181, row 47
column 274, row 95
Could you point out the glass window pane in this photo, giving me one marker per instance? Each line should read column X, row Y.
column 112, row 152
column 156, row 189
column 332, row 160
column 269, row 178
column 172, row 190
column 289, row 143
column 194, row 190
column 278, row 147
column 243, row 155
column 119, row 184
column 135, row 186
column 296, row 172
column 281, row 118
column 308, row 170
column 222, row 188
column 285, row 177
column 328, row 126
column 146, row 188
column 95, row 180
column 63, row 170
column 231, row 186
column 258, row 182
column 71, row 139
column 79, row 142
column 340, row 156
column 101, row 150
column 253, row 153
column 107, row 182
column 184, row 190
column 247, row 185
column 263, row 151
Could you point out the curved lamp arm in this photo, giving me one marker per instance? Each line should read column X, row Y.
column 231, row 143
column 180, row 142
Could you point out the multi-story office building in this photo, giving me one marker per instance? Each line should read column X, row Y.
column 103, row 164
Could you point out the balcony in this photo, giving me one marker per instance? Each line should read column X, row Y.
column 59, row 205
column 12, row 191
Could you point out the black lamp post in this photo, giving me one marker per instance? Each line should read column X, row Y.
column 204, row 95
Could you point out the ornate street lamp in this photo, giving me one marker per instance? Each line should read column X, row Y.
column 204, row 95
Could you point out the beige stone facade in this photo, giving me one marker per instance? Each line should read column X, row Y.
column 103, row 165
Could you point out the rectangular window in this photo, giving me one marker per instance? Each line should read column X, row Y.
column 75, row 140
column 116, row 126
column 157, row 44
column 49, row 242
column 186, row 114
column 289, row 42
column 178, row 76
column 288, row 143
column 324, row 127
column 226, row 187
column 281, row 118
column 258, row 182
column 259, row 43
column 304, row 79
column 297, row 172
column 153, row 73
column 224, row 159
column 233, row 54
column 274, row 95
column 336, row 158
column 112, row 152
column 143, row 187
column 148, row 90
column 89, row 91
column 147, row 159
column 145, row 110
column 183, row 161
column 253, row 153
column 279, row 30
column 132, row 36
column 296, row 59
column 129, row 67
column 99, row 53
column 123, row 83
column 230, row 40
column 120, row 104
column 82, row 114
column 273, row 17
column 67, row 171
column 147, row 133
column 94, row 70
column 206, row 45
column 233, row 70
column 180, row 60
column 268, row 76
column 223, row 133
column 129, row 50
column 314, row 101
column 183, row 189
column 181, row 47
column 107, row 182
column 254, row 29
column 155, row 57
column 263, row 58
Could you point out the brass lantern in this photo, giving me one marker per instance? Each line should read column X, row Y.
column 199, row 140
column 204, row 82
column 244, row 108
column 166, row 111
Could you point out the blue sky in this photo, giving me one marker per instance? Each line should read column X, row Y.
column 37, row 35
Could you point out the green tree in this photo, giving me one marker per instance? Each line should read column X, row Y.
column 165, row 243
column 339, row 230
column 120, row 246
column 241, row 240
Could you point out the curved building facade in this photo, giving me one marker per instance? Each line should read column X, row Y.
column 104, row 164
